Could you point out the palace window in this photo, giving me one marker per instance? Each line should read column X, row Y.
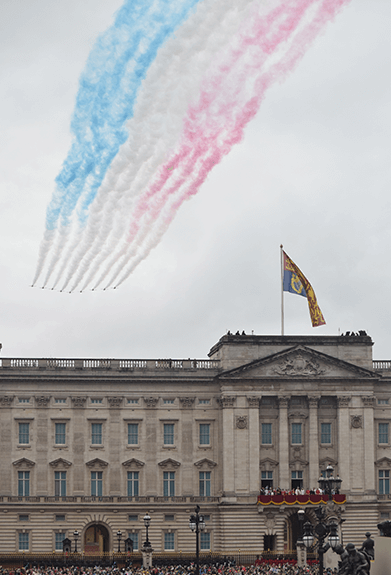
column 169, row 483
column 204, row 433
column 58, row 542
column 23, row 541
column 168, row 401
column 296, row 433
column 297, row 479
column 204, row 481
column 24, row 433
column 97, row 483
column 267, row 479
column 325, row 432
column 384, row 481
column 266, row 430
column 134, row 538
column 205, row 541
column 169, row 541
column 96, row 434
column 59, row 436
column 168, row 434
column 60, row 483
column 133, row 483
column 383, row 432
column 132, row 433
column 23, row 483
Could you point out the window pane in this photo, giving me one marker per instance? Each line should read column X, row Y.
column 60, row 483
column 204, row 541
column 132, row 433
column 134, row 538
column 23, row 483
column 133, row 483
column 23, row 541
column 96, row 433
column 60, row 433
column 169, row 541
column 24, row 432
column 96, row 483
column 325, row 433
column 169, row 483
column 384, row 481
column 296, row 432
column 59, row 538
column 383, row 432
column 266, row 433
column 204, row 433
column 168, row 434
column 204, row 481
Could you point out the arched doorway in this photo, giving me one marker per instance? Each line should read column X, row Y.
column 294, row 529
column 96, row 540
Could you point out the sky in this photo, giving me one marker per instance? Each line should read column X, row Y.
column 312, row 173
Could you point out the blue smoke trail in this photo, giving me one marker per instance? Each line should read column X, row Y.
column 108, row 89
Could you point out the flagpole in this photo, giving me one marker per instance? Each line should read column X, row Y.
column 282, row 290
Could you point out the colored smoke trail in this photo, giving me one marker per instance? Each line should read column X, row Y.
column 147, row 186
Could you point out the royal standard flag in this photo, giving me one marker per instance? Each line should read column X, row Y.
column 295, row 281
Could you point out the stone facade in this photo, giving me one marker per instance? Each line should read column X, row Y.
column 92, row 445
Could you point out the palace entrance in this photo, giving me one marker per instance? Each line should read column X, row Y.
column 96, row 540
column 294, row 527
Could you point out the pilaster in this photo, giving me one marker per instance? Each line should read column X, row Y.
column 313, row 455
column 343, row 441
column 283, row 442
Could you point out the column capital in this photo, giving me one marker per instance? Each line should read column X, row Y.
column 226, row 401
column 343, row 400
column 253, row 401
column 368, row 400
column 283, row 401
column 313, row 401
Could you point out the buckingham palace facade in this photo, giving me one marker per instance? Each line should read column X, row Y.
column 92, row 445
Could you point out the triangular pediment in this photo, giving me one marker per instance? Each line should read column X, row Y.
column 60, row 462
column 133, row 463
column 383, row 462
column 299, row 362
column 23, row 462
column 205, row 463
column 169, row 463
column 99, row 463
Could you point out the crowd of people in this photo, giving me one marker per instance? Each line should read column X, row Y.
column 297, row 491
column 263, row 568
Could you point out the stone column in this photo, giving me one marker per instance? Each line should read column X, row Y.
column 369, row 441
column 283, row 443
column 313, row 442
column 253, row 425
column 343, row 441
column 42, row 422
column 78, row 442
column 227, row 404
column 7, row 431
column 114, row 432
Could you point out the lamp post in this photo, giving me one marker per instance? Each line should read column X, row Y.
column 300, row 548
column 321, row 530
column 147, row 547
column 197, row 524
column 75, row 537
column 328, row 483
column 119, row 537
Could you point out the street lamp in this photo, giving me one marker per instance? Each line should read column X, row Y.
column 300, row 515
column 321, row 530
column 147, row 522
column 75, row 537
column 119, row 537
column 197, row 524
column 328, row 483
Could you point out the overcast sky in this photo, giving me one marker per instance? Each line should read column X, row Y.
column 313, row 173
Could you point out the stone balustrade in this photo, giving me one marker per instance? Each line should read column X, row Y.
column 119, row 365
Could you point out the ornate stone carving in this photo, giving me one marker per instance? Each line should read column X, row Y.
column 227, row 401
column 298, row 415
column 79, row 401
column 115, row 401
column 205, row 462
column 133, row 463
column 42, row 400
column 313, row 401
column 343, row 401
column 186, row 401
column 6, row 400
column 241, row 422
column 368, row 400
column 283, row 401
column 97, row 463
column 298, row 366
column 60, row 462
column 23, row 462
column 356, row 421
column 151, row 401
column 169, row 463
column 253, row 401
